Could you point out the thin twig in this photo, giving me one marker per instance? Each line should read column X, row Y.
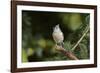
column 86, row 30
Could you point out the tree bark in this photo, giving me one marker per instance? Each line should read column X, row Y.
column 68, row 54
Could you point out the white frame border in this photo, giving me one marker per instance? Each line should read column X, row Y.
column 52, row 63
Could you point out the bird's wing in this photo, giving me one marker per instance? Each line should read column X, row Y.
column 58, row 37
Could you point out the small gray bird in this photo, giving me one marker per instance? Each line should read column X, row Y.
column 58, row 35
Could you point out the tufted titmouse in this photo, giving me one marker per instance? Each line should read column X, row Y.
column 58, row 35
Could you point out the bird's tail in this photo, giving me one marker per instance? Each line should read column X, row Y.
column 61, row 44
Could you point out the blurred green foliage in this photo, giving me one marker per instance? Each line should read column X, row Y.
column 37, row 41
column 24, row 56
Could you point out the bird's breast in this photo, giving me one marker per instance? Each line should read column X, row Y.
column 58, row 37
